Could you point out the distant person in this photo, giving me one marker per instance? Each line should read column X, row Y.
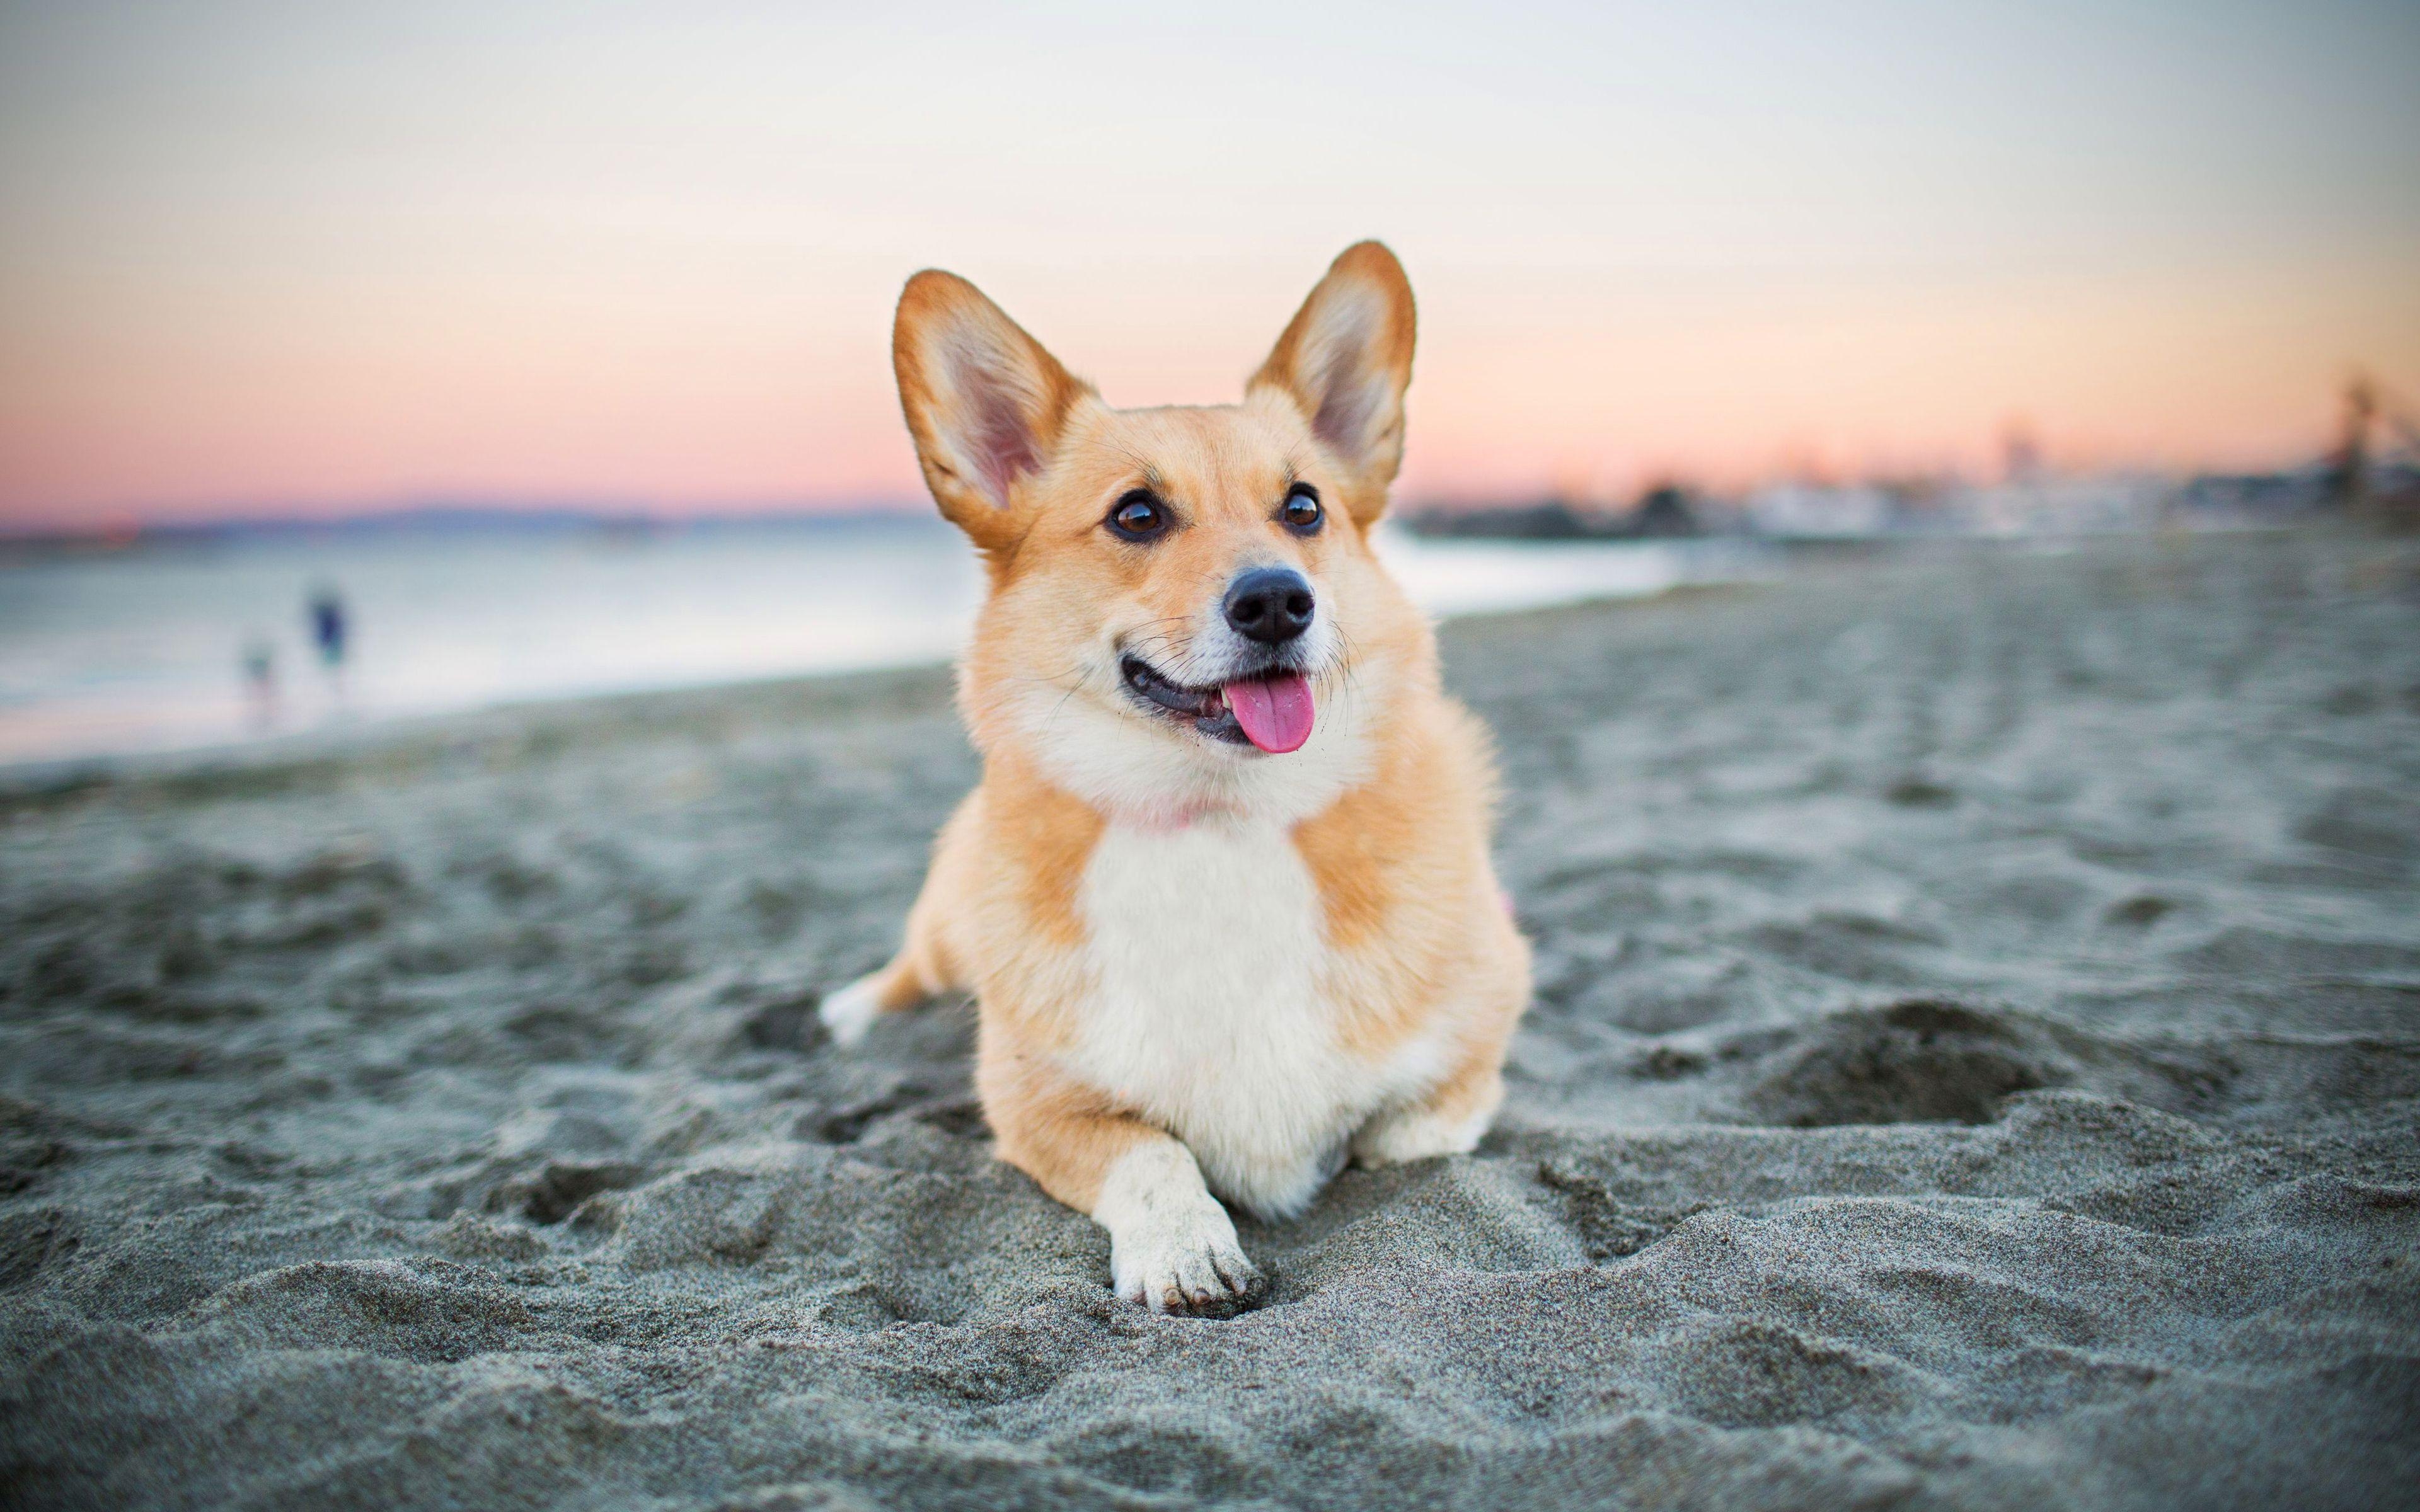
column 328, row 633
column 260, row 681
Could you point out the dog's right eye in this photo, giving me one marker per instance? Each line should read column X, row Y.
column 1139, row 517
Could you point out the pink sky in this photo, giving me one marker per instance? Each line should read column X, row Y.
column 314, row 261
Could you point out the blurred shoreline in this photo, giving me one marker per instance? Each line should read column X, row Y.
column 216, row 640
column 511, row 729
column 199, row 643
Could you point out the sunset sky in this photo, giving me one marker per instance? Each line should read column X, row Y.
column 314, row 259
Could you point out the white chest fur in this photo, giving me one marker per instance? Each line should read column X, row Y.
column 1206, row 1016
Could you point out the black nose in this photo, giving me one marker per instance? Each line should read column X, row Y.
column 1270, row 604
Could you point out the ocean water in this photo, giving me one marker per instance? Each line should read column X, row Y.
column 145, row 649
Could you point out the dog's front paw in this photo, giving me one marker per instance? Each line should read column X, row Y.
column 1172, row 1246
column 1189, row 1264
column 847, row 1014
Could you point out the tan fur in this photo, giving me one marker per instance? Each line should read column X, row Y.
column 1419, row 976
column 1048, row 1125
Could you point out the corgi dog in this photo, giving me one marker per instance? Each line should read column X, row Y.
column 1223, row 895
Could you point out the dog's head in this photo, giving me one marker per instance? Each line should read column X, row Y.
column 1195, row 583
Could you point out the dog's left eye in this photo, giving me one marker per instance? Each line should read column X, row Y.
column 1301, row 511
column 1139, row 517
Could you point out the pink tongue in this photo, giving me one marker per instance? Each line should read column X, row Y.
column 1274, row 712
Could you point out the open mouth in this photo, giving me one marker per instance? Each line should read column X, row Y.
column 1271, row 711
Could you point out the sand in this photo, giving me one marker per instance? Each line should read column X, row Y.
column 1977, row 1063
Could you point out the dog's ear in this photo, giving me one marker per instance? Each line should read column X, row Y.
column 1345, row 360
column 985, row 404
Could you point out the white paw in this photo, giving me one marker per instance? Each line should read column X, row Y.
column 1173, row 1247
column 1415, row 1133
column 847, row 1014
column 1190, row 1265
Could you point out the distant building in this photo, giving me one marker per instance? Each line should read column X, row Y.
column 1821, row 511
column 2095, row 505
column 2255, row 498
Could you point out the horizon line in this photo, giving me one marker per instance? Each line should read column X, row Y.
column 127, row 527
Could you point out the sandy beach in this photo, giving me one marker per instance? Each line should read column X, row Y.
column 1976, row 1064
